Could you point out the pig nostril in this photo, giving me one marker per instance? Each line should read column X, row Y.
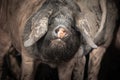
column 60, row 32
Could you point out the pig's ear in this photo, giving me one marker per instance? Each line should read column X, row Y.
column 39, row 26
column 82, row 26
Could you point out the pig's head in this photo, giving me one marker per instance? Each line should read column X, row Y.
column 55, row 31
column 61, row 41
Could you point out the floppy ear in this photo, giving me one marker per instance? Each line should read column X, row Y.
column 82, row 26
column 39, row 26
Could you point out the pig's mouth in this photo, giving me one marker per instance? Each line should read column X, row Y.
column 59, row 43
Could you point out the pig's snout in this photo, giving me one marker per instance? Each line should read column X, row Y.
column 61, row 32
